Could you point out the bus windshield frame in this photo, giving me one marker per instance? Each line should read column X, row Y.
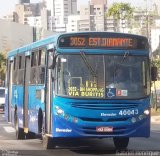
column 96, row 76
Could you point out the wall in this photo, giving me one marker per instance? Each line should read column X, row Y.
column 14, row 35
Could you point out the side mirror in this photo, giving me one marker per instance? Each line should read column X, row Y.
column 154, row 73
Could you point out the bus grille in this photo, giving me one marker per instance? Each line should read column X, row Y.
column 102, row 120
column 104, row 106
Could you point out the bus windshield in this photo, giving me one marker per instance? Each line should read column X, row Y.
column 102, row 76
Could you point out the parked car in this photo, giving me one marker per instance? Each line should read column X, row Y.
column 2, row 99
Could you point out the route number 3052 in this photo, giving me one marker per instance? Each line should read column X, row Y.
column 128, row 112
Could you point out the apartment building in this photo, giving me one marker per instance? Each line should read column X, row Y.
column 92, row 16
column 73, row 23
column 60, row 10
column 26, row 10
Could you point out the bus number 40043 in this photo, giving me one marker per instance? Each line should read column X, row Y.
column 128, row 112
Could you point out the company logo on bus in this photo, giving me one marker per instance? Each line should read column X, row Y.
column 63, row 130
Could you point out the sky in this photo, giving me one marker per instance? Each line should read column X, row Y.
column 8, row 6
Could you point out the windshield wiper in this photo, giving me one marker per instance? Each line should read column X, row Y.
column 126, row 54
column 90, row 68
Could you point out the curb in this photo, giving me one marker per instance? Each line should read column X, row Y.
column 155, row 119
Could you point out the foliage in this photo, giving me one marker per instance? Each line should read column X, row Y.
column 120, row 11
column 2, row 65
column 156, row 62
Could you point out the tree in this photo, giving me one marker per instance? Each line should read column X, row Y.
column 120, row 10
column 2, row 66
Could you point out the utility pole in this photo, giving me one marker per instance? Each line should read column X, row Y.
column 148, row 25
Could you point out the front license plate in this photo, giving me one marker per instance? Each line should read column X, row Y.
column 104, row 129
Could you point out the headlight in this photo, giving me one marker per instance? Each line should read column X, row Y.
column 133, row 119
column 59, row 111
column 146, row 112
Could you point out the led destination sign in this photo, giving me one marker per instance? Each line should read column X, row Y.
column 87, row 41
column 101, row 42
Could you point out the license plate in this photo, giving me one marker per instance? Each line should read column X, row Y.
column 104, row 129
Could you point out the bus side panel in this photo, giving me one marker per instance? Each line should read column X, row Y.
column 13, row 101
column 6, row 104
column 17, row 100
column 35, row 103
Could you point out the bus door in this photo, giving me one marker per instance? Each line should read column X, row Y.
column 26, row 84
column 10, row 83
column 48, row 105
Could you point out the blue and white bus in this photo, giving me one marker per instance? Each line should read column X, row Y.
column 67, row 86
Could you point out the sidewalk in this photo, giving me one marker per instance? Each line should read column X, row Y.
column 155, row 119
column 155, row 116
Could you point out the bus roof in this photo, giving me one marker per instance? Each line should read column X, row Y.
column 54, row 38
column 34, row 45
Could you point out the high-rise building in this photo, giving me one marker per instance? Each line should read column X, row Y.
column 60, row 10
column 24, row 1
column 24, row 11
column 73, row 23
column 92, row 16
column 98, row 2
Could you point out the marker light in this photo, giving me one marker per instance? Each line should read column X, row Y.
column 146, row 112
column 66, row 116
column 75, row 120
column 133, row 119
column 59, row 111
column 141, row 117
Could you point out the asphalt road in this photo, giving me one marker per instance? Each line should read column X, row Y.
column 9, row 146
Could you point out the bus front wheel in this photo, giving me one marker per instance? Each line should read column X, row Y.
column 121, row 143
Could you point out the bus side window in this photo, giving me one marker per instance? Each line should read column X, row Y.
column 41, row 57
column 15, row 70
column 41, row 66
column 21, row 65
column 34, row 59
column 34, row 66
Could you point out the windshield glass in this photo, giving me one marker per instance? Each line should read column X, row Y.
column 102, row 76
column 2, row 92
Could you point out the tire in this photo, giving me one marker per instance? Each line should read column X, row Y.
column 48, row 142
column 40, row 121
column 30, row 135
column 121, row 143
column 20, row 135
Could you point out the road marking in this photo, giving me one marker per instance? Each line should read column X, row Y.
column 3, row 124
column 9, row 129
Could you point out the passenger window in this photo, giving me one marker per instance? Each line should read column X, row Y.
column 34, row 59
column 15, row 63
column 38, row 67
column 42, row 57
column 21, row 62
